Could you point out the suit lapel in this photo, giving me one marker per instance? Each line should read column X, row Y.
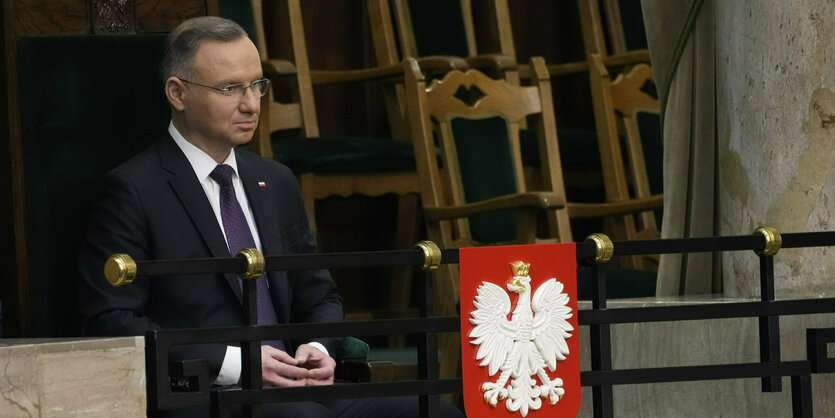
column 193, row 197
column 262, row 202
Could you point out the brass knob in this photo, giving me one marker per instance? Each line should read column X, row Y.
column 773, row 240
column 120, row 269
column 431, row 254
column 604, row 245
column 254, row 263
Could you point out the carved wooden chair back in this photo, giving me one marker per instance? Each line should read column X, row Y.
column 473, row 122
column 465, row 131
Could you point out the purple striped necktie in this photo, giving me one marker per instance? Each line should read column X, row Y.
column 238, row 236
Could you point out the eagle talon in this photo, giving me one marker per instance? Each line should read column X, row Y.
column 493, row 393
column 552, row 390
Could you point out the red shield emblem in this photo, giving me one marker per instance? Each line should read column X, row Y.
column 519, row 332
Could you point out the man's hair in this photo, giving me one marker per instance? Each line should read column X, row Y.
column 182, row 43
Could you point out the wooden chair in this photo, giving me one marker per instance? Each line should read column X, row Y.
column 625, row 26
column 326, row 165
column 74, row 129
column 333, row 165
column 626, row 114
column 627, row 120
column 441, row 28
column 441, row 36
column 618, row 104
column 474, row 192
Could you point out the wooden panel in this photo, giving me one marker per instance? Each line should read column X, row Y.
column 111, row 17
column 51, row 17
column 154, row 16
column 14, row 291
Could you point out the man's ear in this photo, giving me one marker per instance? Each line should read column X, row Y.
column 175, row 91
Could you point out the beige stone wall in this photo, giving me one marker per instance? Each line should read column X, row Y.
column 73, row 378
column 776, row 134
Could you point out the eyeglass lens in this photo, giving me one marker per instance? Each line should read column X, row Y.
column 260, row 86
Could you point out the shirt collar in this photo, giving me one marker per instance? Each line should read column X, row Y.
column 201, row 162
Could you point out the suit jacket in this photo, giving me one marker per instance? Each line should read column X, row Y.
column 153, row 207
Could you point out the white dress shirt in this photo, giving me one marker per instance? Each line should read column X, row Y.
column 203, row 165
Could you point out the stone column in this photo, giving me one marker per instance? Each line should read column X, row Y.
column 775, row 81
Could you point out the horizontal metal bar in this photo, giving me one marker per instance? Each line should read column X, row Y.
column 694, row 373
column 709, row 244
column 339, row 391
column 808, row 239
column 587, row 378
column 190, row 266
column 308, row 330
column 716, row 310
column 338, row 260
column 585, row 250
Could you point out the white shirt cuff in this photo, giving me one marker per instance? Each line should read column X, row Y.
column 319, row 347
column 230, row 369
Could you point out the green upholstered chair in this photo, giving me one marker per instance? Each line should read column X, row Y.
column 476, row 193
column 433, row 28
column 326, row 165
column 88, row 103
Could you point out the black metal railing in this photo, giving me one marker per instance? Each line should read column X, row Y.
column 164, row 379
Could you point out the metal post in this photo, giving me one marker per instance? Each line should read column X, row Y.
column 802, row 396
column 427, row 349
column 769, row 326
column 250, row 350
column 601, row 345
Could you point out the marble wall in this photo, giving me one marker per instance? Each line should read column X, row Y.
column 73, row 378
column 775, row 81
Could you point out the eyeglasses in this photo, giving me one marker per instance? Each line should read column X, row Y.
column 260, row 86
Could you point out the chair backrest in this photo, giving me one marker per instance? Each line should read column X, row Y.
column 624, row 25
column 474, row 122
column 612, row 27
column 299, row 112
column 435, row 27
column 626, row 116
column 89, row 103
column 626, row 113
column 431, row 28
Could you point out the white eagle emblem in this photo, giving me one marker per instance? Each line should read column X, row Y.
column 533, row 338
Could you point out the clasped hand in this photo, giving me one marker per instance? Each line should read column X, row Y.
column 310, row 367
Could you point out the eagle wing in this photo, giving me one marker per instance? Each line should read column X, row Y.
column 492, row 332
column 550, row 324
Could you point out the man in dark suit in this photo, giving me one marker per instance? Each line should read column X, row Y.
column 192, row 194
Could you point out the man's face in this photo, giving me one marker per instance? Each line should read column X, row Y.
column 212, row 121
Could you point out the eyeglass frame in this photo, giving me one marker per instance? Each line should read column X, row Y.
column 227, row 91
